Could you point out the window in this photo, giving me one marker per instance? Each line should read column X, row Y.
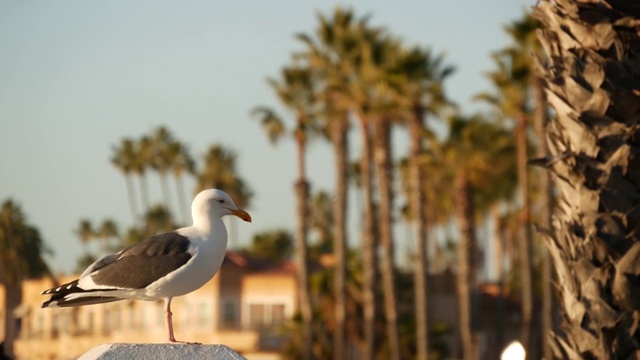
column 256, row 315
column 230, row 314
column 261, row 315
column 277, row 314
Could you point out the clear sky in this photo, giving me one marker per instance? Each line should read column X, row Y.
column 77, row 76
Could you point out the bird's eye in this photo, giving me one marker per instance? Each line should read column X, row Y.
column 221, row 201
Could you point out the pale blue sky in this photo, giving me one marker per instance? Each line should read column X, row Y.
column 77, row 76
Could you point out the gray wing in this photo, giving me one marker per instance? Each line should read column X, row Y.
column 141, row 264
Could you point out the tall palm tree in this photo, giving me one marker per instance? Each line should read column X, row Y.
column 380, row 59
column 541, row 119
column 328, row 55
column 182, row 164
column 296, row 90
column 478, row 154
column 143, row 155
column 220, row 171
column 592, row 83
column 157, row 220
column 109, row 234
column 276, row 244
column 21, row 257
column 423, row 85
column 511, row 80
column 85, row 231
column 124, row 158
column 161, row 159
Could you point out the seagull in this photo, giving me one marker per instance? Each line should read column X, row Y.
column 161, row 267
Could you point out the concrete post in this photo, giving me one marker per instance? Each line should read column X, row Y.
column 161, row 352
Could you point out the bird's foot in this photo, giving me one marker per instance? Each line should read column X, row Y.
column 174, row 341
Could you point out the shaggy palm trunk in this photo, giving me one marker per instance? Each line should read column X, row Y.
column 525, row 251
column 541, row 118
column 339, row 138
column 301, row 250
column 382, row 155
column 593, row 79
column 466, row 244
column 369, row 263
column 420, row 225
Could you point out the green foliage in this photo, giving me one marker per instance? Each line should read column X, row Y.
column 220, row 171
column 22, row 249
column 274, row 245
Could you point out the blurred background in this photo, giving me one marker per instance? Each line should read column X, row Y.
column 113, row 116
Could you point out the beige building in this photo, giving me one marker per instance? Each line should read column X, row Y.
column 244, row 307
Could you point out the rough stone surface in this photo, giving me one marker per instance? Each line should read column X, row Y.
column 161, row 352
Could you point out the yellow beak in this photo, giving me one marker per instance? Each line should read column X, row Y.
column 241, row 214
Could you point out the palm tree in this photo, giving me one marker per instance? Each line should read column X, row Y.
column 478, row 155
column 220, row 171
column 593, row 145
column 523, row 32
column 511, row 80
column 161, row 158
column 109, row 233
column 21, row 257
column 328, row 56
column 321, row 220
column 383, row 57
column 274, row 244
column 85, row 231
column 182, row 163
column 296, row 91
column 124, row 158
column 423, row 84
column 143, row 155
column 157, row 220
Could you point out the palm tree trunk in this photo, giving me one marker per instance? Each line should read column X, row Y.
column 165, row 191
column 594, row 160
column 182, row 201
column 466, row 251
column 498, row 241
column 525, row 246
column 12, row 299
column 541, row 118
column 420, row 225
column 132, row 198
column 369, row 245
column 144, row 191
column 382, row 155
column 339, row 128
column 301, row 249
column 499, row 248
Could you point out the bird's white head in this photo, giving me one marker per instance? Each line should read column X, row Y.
column 213, row 203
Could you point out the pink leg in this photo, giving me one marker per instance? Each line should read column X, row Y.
column 168, row 319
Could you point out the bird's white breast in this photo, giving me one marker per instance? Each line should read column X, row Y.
column 208, row 252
